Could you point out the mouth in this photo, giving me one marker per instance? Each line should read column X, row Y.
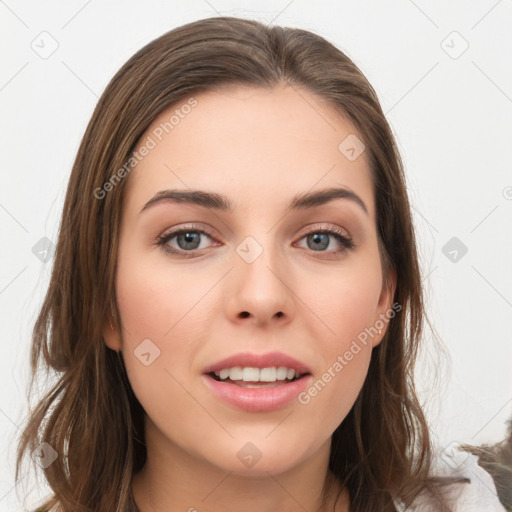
column 251, row 377
column 252, row 389
column 255, row 382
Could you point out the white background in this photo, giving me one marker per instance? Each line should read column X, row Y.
column 452, row 118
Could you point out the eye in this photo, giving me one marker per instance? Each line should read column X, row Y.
column 188, row 240
column 320, row 239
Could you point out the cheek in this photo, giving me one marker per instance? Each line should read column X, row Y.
column 332, row 392
column 347, row 303
column 345, row 359
column 348, row 308
column 157, row 301
column 160, row 337
column 161, row 328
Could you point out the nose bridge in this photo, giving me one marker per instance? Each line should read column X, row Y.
column 261, row 277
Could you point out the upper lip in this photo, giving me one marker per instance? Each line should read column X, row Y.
column 252, row 360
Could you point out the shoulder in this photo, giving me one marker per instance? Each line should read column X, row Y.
column 478, row 494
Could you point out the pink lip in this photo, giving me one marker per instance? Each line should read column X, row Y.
column 268, row 360
column 257, row 399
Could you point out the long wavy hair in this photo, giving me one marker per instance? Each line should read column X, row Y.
column 90, row 416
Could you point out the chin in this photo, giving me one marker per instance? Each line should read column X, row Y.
column 260, row 456
column 273, row 464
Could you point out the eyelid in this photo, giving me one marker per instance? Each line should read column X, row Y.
column 319, row 226
column 190, row 226
column 171, row 233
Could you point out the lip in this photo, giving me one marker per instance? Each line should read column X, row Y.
column 252, row 360
column 257, row 399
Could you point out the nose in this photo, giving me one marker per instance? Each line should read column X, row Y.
column 261, row 290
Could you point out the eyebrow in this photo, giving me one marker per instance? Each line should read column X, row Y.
column 221, row 202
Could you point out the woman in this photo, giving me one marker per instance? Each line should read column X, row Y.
column 236, row 305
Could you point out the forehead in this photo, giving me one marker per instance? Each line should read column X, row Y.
column 252, row 144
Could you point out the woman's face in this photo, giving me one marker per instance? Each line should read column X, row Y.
column 257, row 282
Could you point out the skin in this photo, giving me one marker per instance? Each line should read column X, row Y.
column 259, row 147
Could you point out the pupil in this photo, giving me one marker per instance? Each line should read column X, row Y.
column 188, row 239
column 317, row 239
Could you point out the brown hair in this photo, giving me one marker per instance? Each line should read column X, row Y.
column 382, row 449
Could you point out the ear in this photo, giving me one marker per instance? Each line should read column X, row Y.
column 385, row 309
column 112, row 334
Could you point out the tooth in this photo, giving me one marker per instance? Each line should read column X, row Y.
column 268, row 374
column 235, row 373
column 281, row 373
column 251, row 374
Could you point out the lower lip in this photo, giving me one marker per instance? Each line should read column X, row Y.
column 257, row 399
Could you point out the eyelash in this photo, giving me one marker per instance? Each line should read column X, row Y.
column 346, row 242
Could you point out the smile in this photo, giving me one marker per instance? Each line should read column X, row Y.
column 257, row 396
column 249, row 375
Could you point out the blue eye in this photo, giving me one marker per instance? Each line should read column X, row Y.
column 321, row 239
column 188, row 240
